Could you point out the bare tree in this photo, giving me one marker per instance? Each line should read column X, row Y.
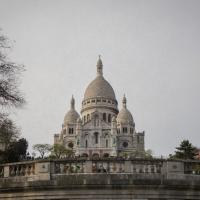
column 59, row 151
column 10, row 94
column 42, row 149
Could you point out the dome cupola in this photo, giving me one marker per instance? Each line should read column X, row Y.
column 99, row 87
column 72, row 115
column 99, row 92
column 124, row 116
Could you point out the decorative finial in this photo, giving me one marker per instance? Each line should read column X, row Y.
column 99, row 67
column 72, row 102
column 124, row 101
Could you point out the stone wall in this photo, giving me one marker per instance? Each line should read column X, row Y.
column 100, row 179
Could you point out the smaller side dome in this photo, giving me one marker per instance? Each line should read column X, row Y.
column 72, row 115
column 124, row 116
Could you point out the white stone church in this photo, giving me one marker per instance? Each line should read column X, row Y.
column 101, row 130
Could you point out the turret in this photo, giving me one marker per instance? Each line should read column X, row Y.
column 125, row 122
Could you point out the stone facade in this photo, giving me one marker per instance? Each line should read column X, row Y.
column 101, row 130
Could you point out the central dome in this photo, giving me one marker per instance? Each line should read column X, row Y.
column 99, row 87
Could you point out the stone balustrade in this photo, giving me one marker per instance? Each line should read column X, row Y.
column 110, row 178
column 22, row 169
column 17, row 169
column 43, row 169
column 108, row 166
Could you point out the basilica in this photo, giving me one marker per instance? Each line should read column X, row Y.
column 101, row 130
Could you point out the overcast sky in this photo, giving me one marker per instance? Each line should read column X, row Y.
column 150, row 51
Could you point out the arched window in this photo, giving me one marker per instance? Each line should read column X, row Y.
column 124, row 129
column 86, row 143
column 95, row 155
column 88, row 117
column 131, row 130
column 104, row 117
column 71, row 145
column 96, row 120
column 109, row 118
column 71, row 131
column 106, row 143
column 114, row 141
column 106, row 155
column 85, row 155
column 96, row 137
column 84, row 119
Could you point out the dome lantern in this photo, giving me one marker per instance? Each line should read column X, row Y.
column 99, row 67
column 124, row 101
column 72, row 103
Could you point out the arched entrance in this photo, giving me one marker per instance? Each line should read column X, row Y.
column 106, row 155
column 95, row 155
column 85, row 155
column 70, row 145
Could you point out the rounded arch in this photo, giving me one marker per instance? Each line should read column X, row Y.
column 86, row 144
column 96, row 137
column 84, row 155
column 104, row 117
column 95, row 155
column 84, row 119
column 71, row 145
column 88, row 117
column 106, row 155
column 109, row 118
column 106, row 143
column 96, row 120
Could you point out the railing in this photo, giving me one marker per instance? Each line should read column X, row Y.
column 43, row 169
column 69, row 166
column 17, row 169
column 107, row 166
column 22, row 169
